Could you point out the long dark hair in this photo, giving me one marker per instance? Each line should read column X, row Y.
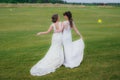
column 54, row 18
column 69, row 15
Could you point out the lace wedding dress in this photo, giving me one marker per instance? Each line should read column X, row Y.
column 53, row 59
column 73, row 50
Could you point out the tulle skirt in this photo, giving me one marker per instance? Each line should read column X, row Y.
column 74, row 52
column 52, row 60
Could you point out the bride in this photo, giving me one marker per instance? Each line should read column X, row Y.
column 54, row 57
column 73, row 50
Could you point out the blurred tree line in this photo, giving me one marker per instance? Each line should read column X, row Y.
column 31, row 1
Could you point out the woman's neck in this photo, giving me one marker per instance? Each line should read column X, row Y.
column 56, row 22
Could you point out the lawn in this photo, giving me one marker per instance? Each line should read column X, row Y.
column 20, row 48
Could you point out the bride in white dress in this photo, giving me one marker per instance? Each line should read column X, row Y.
column 54, row 57
column 73, row 50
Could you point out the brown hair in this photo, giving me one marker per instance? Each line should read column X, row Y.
column 54, row 18
column 69, row 15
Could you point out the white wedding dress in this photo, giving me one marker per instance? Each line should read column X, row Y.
column 73, row 50
column 54, row 57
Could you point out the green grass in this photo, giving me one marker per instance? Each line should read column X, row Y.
column 20, row 48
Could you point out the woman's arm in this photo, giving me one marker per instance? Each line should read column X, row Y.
column 76, row 30
column 46, row 32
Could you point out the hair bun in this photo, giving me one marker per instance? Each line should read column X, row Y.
column 54, row 18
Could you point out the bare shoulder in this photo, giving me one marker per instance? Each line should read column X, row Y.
column 65, row 22
column 52, row 24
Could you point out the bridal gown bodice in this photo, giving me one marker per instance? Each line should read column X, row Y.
column 73, row 50
column 54, row 57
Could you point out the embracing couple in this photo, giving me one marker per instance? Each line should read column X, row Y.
column 62, row 50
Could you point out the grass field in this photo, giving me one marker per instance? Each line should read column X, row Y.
column 20, row 48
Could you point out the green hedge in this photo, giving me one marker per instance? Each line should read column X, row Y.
column 31, row 1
